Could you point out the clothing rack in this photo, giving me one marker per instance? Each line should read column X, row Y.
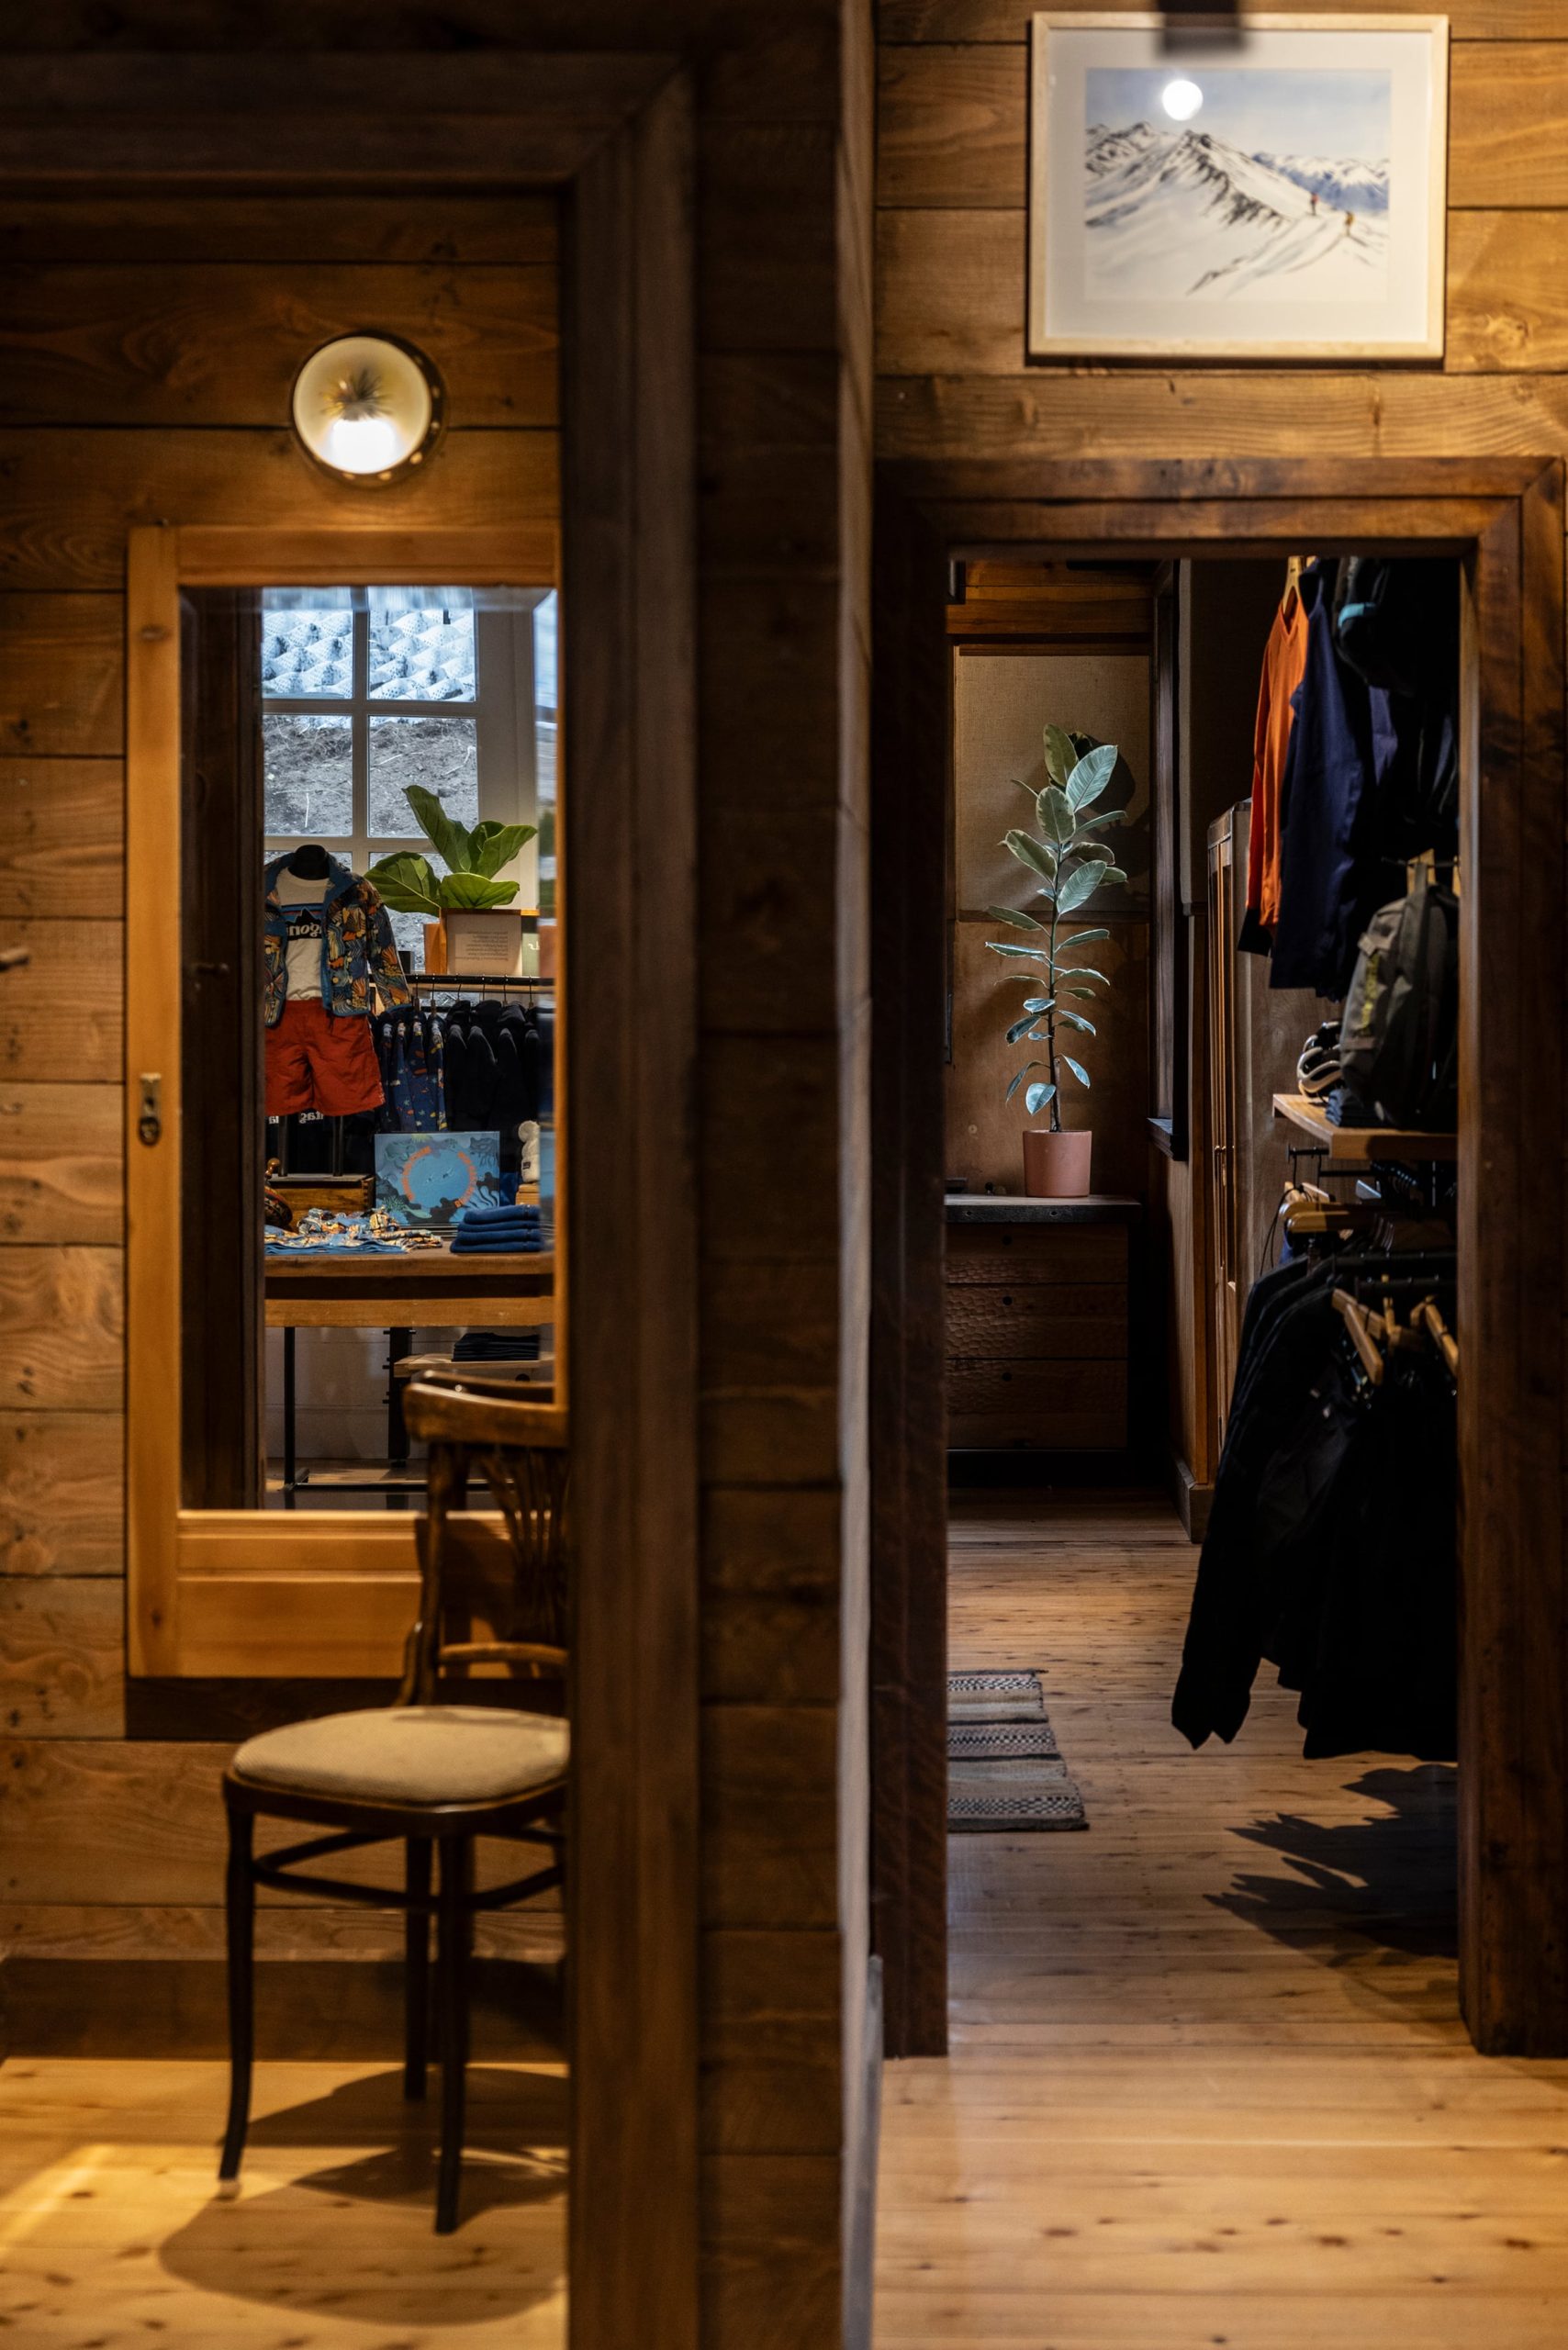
column 478, row 982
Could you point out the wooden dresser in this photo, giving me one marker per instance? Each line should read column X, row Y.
column 1040, row 1303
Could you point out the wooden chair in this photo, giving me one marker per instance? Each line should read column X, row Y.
column 425, row 1771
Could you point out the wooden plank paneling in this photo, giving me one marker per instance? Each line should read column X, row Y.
column 1198, row 414
column 1008, row 21
column 952, row 125
column 61, row 844
column 1509, row 123
column 61, row 1010
column 60, row 1162
column 63, row 1656
column 771, row 2270
column 770, row 1816
column 124, row 1929
column 1014, row 1390
column 62, row 1329
column 84, row 344
column 61, row 670
column 510, row 232
column 770, row 1627
column 69, row 518
column 772, row 2075
column 951, row 302
column 61, row 1494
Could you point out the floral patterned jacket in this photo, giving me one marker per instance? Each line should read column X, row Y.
column 358, row 956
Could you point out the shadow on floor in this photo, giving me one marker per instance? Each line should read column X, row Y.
column 364, row 2262
column 1355, row 1889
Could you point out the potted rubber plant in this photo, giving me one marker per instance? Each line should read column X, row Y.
column 469, row 889
column 1068, row 860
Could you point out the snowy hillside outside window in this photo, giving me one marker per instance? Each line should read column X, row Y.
column 367, row 690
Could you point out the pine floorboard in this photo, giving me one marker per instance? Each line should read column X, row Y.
column 112, row 2233
column 1208, row 2083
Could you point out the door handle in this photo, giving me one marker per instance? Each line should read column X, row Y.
column 149, row 1118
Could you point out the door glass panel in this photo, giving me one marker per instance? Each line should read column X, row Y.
column 441, row 753
column 307, row 653
column 308, row 768
column 422, row 655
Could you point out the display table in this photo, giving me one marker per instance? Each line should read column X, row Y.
column 383, row 1291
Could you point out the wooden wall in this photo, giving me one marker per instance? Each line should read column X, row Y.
column 146, row 356
column 150, row 344
column 952, row 382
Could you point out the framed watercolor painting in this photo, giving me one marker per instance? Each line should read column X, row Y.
column 1261, row 187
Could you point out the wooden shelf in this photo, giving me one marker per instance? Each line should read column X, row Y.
column 1355, row 1145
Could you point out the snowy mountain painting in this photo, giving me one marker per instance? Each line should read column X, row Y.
column 1251, row 182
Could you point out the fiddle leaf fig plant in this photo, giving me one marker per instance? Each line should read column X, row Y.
column 409, row 883
column 1066, row 861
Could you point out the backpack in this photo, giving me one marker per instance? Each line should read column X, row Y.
column 1399, row 1036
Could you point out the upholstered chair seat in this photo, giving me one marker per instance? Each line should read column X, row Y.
column 412, row 1754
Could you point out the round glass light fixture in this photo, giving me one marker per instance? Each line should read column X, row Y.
column 1180, row 99
column 368, row 408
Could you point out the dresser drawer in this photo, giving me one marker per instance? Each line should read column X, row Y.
column 989, row 1253
column 1061, row 1407
column 1024, row 1320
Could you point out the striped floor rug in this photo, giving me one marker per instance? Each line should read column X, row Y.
column 1005, row 1767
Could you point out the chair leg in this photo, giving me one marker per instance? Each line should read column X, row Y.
column 240, row 1891
column 451, row 1954
column 417, row 1968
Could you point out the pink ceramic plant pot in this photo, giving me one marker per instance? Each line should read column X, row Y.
column 1056, row 1166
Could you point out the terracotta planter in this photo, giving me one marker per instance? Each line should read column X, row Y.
column 1056, row 1166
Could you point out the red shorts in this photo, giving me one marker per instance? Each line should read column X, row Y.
column 317, row 1062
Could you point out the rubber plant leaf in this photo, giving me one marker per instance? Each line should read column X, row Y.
column 1077, row 1068
column 468, row 891
column 451, row 838
column 1060, row 756
column 1086, row 937
column 1015, row 915
column 1037, row 1098
column 1090, row 776
column 1030, row 852
column 1082, row 971
column 1079, row 888
column 406, row 883
column 1033, row 954
column 1076, row 1020
column 1098, row 823
column 1022, row 1027
column 1018, row 1081
column 1058, row 821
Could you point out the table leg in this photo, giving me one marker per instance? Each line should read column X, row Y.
column 289, row 1480
column 399, row 1342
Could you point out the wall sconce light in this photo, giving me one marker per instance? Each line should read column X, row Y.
column 368, row 407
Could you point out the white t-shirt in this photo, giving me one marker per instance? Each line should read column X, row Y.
column 301, row 900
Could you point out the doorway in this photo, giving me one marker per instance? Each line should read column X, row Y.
column 1503, row 522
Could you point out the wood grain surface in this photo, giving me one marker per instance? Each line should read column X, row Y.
column 1209, row 2080
column 87, row 343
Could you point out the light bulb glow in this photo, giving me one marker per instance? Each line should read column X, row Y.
column 363, row 444
column 1180, row 99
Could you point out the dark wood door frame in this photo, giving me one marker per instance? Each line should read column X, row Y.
column 1505, row 520
column 612, row 134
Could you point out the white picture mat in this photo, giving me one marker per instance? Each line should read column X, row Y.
column 1064, row 320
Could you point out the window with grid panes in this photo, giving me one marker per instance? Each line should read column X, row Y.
column 366, row 690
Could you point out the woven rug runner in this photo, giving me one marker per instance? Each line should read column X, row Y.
column 1005, row 1767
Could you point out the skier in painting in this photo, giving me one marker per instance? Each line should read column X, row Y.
column 1314, row 194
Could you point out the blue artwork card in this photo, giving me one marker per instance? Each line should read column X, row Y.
column 426, row 1181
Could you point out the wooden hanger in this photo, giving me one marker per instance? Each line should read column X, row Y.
column 1361, row 1338
column 1428, row 1319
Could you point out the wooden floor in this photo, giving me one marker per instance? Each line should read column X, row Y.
column 1207, row 2084
column 112, row 2233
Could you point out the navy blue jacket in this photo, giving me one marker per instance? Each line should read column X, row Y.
column 1344, row 739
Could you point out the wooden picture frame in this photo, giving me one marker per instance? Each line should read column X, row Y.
column 1199, row 192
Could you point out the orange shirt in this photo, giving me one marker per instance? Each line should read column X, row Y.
column 1284, row 666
